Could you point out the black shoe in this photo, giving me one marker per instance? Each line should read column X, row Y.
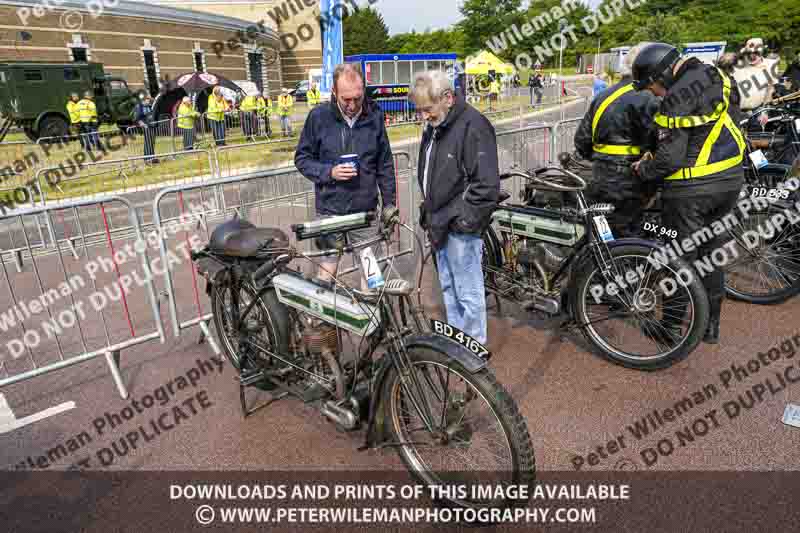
column 712, row 333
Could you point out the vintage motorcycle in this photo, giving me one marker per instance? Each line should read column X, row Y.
column 558, row 258
column 428, row 396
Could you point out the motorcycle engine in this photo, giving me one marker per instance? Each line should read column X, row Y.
column 549, row 256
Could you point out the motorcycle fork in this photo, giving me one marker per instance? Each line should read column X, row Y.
column 409, row 379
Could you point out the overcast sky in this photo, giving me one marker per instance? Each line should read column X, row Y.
column 403, row 15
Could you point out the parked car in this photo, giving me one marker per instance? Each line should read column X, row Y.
column 300, row 91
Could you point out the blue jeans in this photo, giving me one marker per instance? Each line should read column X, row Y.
column 461, row 278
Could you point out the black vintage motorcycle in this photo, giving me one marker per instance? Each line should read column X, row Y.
column 431, row 398
column 560, row 257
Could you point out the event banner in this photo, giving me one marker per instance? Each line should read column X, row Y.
column 332, row 46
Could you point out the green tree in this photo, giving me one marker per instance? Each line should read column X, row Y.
column 485, row 18
column 364, row 32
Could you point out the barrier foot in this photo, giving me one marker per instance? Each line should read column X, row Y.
column 72, row 248
column 18, row 261
column 206, row 334
column 112, row 358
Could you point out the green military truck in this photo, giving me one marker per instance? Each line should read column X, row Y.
column 34, row 95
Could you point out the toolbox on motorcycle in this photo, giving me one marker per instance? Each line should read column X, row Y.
column 294, row 291
column 534, row 226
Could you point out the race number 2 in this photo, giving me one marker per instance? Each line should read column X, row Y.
column 455, row 334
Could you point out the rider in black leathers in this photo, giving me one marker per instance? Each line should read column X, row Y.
column 621, row 135
column 699, row 156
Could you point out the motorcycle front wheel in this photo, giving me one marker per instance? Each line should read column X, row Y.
column 475, row 434
column 645, row 317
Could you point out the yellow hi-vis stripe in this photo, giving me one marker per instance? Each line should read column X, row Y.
column 693, row 121
column 701, row 168
column 612, row 149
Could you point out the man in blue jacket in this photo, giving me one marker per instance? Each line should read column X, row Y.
column 348, row 124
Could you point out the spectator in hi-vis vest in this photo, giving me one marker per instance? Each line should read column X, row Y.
column 217, row 106
column 285, row 107
column 75, row 117
column 248, row 109
column 264, row 110
column 313, row 96
column 87, row 112
column 494, row 93
column 186, row 118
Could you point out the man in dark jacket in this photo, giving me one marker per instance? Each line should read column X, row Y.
column 459, row 177
column 615, row 132
column 143, row 117
column 348, row 124
column 699, row 156
column 536, row 85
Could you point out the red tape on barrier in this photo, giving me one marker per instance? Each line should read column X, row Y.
column 194, row 272
column 116, row 267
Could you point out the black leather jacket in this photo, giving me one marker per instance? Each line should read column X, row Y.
column 463, row 179
column 626, row 121
column 697, row 91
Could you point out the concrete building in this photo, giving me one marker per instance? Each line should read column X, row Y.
column 147, row 42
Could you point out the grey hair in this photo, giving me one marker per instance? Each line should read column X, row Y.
column 349, row 70
column 430, row 86
column 627, row 65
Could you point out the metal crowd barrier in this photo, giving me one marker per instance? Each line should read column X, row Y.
column 564, row 137
column 254, row 156
column 123, row 175
column 155, row 139
column 522, row 149
column 275, row 198
column 68, row 308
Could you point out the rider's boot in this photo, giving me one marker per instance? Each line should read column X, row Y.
column 712, row 332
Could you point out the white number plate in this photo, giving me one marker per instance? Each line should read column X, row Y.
column 372, row 270
column 791, row 415
column 446, row 330
column 603, row 228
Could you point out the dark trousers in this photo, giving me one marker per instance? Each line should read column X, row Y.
column 149, row 142
column 686, row 216
column 91, row 138
column 249, row 124
column 218, row 129
column 188, row 138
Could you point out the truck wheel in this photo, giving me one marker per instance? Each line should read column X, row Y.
column 53, row 126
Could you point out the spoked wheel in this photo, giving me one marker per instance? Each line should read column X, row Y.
column 767, row 265
column 652, row 322
column 266, row 325
column 472, row 432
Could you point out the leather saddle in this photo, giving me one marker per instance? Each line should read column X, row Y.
column 239, row 238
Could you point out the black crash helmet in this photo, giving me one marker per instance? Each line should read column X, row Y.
column 654, row 63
